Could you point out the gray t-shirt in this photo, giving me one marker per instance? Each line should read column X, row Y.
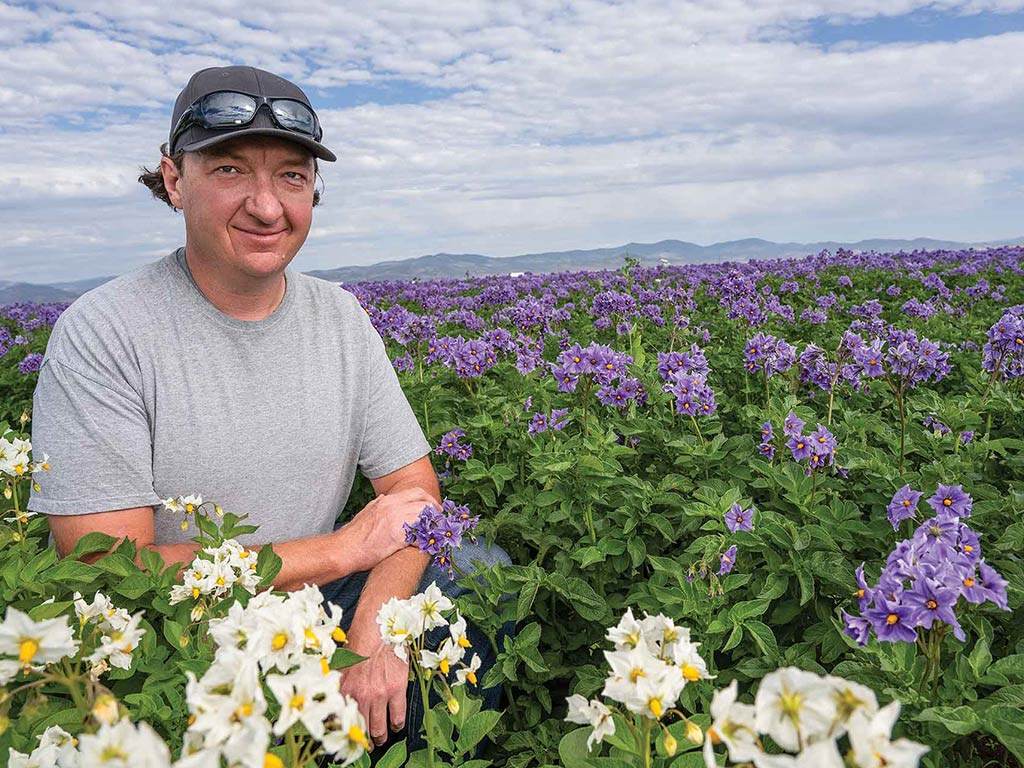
column 148, row 391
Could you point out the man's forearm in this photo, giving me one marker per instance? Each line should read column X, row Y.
column 396, row 576
column 313, row 560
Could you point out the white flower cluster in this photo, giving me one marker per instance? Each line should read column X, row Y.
column 189, row 505
column 652, row 662
column 404, row 622
column 807, row 714
column 15, row 461
column 286, row 642
column 120, row 632
column 33, row 644
column 216, row 573
column 122, row 744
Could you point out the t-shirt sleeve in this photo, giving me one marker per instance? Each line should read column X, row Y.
column 392, row 437
column 97, row 436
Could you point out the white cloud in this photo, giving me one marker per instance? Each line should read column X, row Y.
column 567, row 124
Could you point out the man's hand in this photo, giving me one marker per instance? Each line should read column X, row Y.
column 376, row 533
column 378, row 684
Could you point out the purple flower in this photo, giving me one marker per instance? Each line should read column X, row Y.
column 951, row 498
column 966, row 436
column 767, row 450
column 892, row 621
column 903, row 506
column 538, row 424
column 437, row 532
column 728, row 561
column 739, row 519
column 800, row 446
column 933, row 602
column 793, row 425
column 856, row 627
column 559, row 418
column 766, row 432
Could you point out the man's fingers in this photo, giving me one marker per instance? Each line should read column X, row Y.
column 396, row 710
column 378, row 723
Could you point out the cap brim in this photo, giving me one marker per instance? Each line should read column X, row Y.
column 319, row 150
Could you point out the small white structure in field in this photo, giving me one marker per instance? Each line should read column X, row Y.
column 516, row 274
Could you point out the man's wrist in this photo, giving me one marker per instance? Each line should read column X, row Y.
column 346, row 556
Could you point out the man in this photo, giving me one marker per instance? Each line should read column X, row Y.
column 218, row 370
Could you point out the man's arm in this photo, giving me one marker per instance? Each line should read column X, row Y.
column 375, row 533
column 379, row 683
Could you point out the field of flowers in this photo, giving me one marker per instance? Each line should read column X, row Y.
column 765, row 510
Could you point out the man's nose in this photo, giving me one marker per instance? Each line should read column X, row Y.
column 262, row 202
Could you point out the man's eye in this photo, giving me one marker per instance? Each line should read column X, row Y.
column 295, row 176
column 229, row 169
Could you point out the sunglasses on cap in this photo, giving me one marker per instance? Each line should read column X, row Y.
column 233, row 109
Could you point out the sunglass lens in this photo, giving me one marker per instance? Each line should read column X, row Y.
column 295, row 116
column 221, row 110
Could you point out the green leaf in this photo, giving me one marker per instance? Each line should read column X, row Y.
column 394, row 757
column 958, row 720
column 478, row 726
column 527, row 595
column 748, row 609
column 151, row 561
column 764, row 637
column 1007, row 724
column 734, row 638
column 134, row 586
column 573, row 749
column 118, row 564
column 344, row 658
column 268, row 564
column 92, row 543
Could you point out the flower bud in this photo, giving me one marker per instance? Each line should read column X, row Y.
column 453, row 705
column 670, row 744
column 693, row 733
column 105, row 709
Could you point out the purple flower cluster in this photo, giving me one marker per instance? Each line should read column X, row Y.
column 557, row 420
column 451, row 445
column 469, row 357
column 766, row 353
column 608, row 369
column 693, row 395
column 1003, row 353
column 925, row 576
column 818, row 448
column 31, row 363
column 673, row 364
column 902, row 358
column 437, row 532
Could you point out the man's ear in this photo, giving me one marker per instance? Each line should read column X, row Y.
column 172, row 179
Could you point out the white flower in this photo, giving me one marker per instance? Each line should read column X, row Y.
column 448, row 654
column 850, row 697
column 457, row 632
column 116, row 647
column 794, row 707
column 191, row 503
column 628, row 668
column 627, row 634
column 66, row 745
column 9, row 669
column 307, row 695
column 400, row 624
column 870, row 741
column 346, row 740
column 733, row 725
column 429, row 604
column 36, row 642
column 655, row 696
column 22, row 517
column 468, row 672
column 592, row 713
column 691, row 666
column 124, row 744
column 173, row 505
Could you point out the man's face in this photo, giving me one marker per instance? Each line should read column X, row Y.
column 248, row 203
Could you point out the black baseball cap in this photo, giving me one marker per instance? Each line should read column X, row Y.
column 248, row 80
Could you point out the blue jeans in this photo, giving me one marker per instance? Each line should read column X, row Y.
column 345, row 594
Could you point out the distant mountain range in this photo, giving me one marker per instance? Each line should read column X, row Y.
column 442, row 265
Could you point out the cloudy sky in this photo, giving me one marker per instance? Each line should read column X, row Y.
column 513, row 127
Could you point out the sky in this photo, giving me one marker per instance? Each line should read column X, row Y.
column 472, row 126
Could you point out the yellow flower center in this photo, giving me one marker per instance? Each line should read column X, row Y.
column 444, row 666
column 27, row 651
column 195, row 593
column 298, row 701
column 338, row 635
column 654, row 704
column 969, row 581
column 280, row 641
column 471, row 676
column 356, row 736
column 272, row 761
column 464, row 642
column 891, row 619
column 691, row 673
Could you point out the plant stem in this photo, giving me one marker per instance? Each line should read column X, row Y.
column 589, row 515
column 903, row 424
column 645, row 748
column 697, row 427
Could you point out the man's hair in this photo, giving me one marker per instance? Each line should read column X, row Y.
column 154, row 179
